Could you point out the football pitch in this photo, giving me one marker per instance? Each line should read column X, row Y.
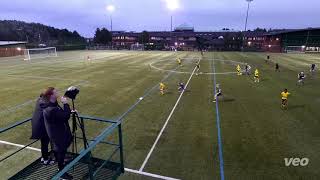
column 245, row 135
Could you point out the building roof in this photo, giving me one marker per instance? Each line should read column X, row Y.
column 284, row 31
column 5, row 43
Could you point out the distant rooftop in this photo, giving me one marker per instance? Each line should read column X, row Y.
column 4, row 43
column 283, row 31
column 184, row 27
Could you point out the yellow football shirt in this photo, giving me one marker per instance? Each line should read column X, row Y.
column 162, row 86
column 285, row 95
column 256, row 73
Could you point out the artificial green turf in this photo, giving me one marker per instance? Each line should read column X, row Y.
column 256, row 134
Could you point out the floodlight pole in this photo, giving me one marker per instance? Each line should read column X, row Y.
column 171, row 22
column 111, row 26
column 246, row 23
column 245, row 27
column 171, row 29
column 110, row 9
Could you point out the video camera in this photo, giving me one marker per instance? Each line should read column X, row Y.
column 72, row 92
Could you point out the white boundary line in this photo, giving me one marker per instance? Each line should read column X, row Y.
column 14, row 108
column 19, row 145
column 166, row 123
column 126, row 169
column 149, row 174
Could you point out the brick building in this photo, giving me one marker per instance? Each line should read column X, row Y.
column 12, row 48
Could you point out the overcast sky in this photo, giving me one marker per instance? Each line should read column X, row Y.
column 136, row 15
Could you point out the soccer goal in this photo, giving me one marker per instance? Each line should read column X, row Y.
column 295, row 49
column 137, row 47
column 40, row 53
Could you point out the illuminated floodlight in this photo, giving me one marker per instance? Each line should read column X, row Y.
column 249, row 43
column 269, row 46
column 19, row 48
column 110, row 8
column 303, row 47
column 176, row 43
column 172, row 5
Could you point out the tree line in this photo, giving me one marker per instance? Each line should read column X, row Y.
column 36, row 33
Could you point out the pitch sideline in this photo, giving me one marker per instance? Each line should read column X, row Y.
column 166, row 123
column 126, row 169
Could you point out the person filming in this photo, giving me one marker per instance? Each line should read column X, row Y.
column 57, row 126
column 38, row 128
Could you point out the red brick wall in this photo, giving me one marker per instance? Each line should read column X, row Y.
column 8, row 51
column 272, row 44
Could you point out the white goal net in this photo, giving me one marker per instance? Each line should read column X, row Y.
column 295, row 49
column 40, row 53
column 137, row 47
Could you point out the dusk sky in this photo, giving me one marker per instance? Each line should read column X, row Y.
column 137, row 15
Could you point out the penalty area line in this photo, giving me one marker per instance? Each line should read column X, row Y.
column 126, row 169
column 166, row 123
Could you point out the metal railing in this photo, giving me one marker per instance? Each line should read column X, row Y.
column 85, row 152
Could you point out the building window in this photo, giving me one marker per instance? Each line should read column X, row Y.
column 156, row 38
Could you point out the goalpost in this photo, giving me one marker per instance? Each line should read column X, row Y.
column 295, row 49
column 40, row 53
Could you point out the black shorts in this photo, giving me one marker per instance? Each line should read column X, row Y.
column 284, row 101
column 219, row 94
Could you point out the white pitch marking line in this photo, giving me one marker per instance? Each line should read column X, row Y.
column 12, row 109
column 149, row 174
column 19, row 145
column 126, row 169
column 166, row 123
column 39, row 77
column 184, row 72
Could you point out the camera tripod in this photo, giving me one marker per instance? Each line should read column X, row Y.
column 77, row 122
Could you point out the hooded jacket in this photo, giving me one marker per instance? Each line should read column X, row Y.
column 57, row 126
column 37, row 122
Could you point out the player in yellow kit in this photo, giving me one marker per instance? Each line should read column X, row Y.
column 162, row 88
column 239, row 70
column 179, row 61
column 256, row 76
column 284, row 98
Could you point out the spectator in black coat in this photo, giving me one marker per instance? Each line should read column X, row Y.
column 56, row 123
column 38, row 128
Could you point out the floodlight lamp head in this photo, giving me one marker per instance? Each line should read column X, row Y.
column 172, row 5
column 110, row 8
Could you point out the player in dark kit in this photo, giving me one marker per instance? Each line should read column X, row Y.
column 268, row 58
column 277, row 67
column 313, row 68
column 197, row 68
column 181, row 87
column 301, row 77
